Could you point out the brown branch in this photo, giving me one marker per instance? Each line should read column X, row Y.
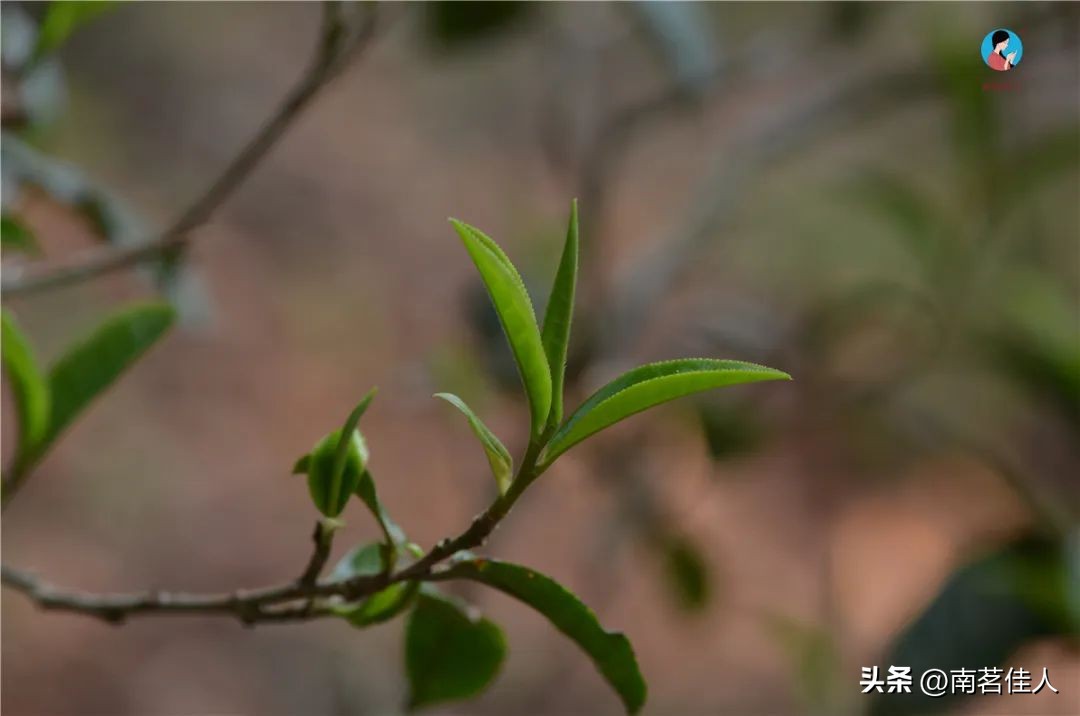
column 293, row 601
column 337, row 46
column 323, row 539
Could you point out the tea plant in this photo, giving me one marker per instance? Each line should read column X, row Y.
column 450, row 651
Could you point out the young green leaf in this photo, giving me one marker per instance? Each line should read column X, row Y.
column 62, row 18
column 502, row 465
column 369, row 560
column 515, row 311
column 94, row 363
column 15, row 236
column 451, row 653
column 365, row 490
column 382, row 606
column 343, row 445
column 302, row 464
column 558, row 316
column 332, row 481
column 337, row 464
column 364, row 560
column 30, row 390
column 610, row 651
column 649, row 385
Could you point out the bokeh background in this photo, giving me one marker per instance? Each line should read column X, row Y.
column 843, row 191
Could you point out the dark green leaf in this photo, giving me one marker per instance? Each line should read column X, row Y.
column 368, row 560
column 31, row 392
column 15, row 236
column 502, row 465
column 559, row 315
column 515, row 310
column 94, row 363
column 611, row 652
column 62, row 18
column 985, row 612
column 451, row 653
column 650, row 385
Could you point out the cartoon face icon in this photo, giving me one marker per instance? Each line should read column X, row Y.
column 1001, row 50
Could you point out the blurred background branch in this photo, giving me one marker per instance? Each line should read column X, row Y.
column 342, row 38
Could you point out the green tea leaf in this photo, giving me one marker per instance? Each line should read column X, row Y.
column 451, row 653
column 93, row 364
column 347, row 436
column 31, row 391
column 15, row 236
column 365, row 490
column 368, row 560
column 382, row 606
column 515, row 311
column 365, row 560
column 302, row 464
column 610, row 651
column 558, row 316
column 62, row 18
column 650, row 385
column 502, row 465
column 331, row 482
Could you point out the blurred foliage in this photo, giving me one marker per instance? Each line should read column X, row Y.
column 462, row 23
column 687, row 573
column 47, row 403
column 1036, row 344
column 731, row 430
column 682, row 36
column 16, row 236
column 814, row 659
column 62, row 18
column 983, row 614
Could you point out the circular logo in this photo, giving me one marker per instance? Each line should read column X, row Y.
column 1002, row 49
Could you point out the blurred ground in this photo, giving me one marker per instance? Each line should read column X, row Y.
column 333, row 269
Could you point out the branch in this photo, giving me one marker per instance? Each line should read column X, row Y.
column 293, row 601
column 337, row 46
column 323, row 538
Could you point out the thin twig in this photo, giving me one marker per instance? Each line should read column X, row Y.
column 292, row 601
column 337, row 46
column 323, row 539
